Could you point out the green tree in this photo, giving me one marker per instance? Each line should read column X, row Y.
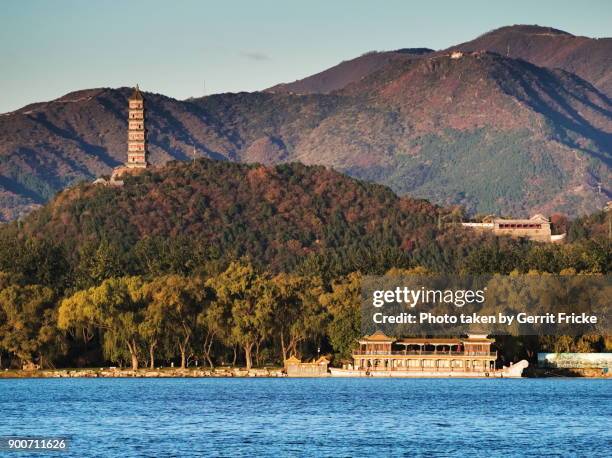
column 213, row 324
column 113, row 307
column 343, row 303
column 250, row 297
column 27, row 322
column 175, row 302
column 298, row 315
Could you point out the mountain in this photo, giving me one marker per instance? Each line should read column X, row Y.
column 479, row 129
column 349, row 71
column 589, row 58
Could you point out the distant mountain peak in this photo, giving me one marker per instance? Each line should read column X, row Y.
column 527, row 30
column 347, row 72
column 586, row 57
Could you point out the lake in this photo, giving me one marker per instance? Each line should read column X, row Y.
column 314, row 417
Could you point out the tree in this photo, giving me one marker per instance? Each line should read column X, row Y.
column 98, row 263
column 175, row 302
column 39, row 261
column 114, row 308
column 344, row 305
column 250, row 297
column 298, row 313
column 27, row 322
column 214, row 324
column 153, row 327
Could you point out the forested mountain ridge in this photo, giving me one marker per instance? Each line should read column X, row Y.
column 490, row 132
column 187, row 217
column 589, row 58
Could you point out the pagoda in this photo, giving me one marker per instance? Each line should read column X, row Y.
column 137, row 146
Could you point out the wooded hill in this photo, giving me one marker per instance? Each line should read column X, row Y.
column 178, row 218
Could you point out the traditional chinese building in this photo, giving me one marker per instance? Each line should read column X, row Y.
column 295, row 367
column 137, row 145
column 471, row 354
column 536, row 228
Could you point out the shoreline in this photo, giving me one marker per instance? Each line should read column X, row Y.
column 272, row 372
column 145, row 373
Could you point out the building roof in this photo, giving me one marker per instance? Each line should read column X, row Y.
column 534, row 219
column 539, row 217
column 293, row 359
column 136, row 95
column 443, row 341
column 378, row 336
column 428, row 341
column 477, row 340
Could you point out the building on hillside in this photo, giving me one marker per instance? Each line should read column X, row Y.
column 137, row 144
column 379, row 352
column 536, row 228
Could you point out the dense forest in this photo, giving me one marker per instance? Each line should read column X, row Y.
column 225, row 263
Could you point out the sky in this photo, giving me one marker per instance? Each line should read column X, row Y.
column 187, row 48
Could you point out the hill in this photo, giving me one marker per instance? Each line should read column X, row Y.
column 185, row 215
column 197, row 217
column 589, row 58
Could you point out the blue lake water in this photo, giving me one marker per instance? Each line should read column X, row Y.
column 313, row 417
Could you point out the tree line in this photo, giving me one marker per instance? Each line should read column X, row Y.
column 240, row 314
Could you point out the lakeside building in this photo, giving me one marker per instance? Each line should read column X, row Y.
column 379, row 352
column 295, row 367
column 536, row 228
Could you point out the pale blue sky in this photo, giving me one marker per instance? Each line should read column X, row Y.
column 183, row 48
